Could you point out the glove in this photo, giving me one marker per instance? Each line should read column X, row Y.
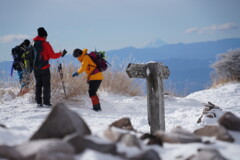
column 64, row 52
column 75, row 74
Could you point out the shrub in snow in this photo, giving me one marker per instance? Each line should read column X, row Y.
column 227, row 66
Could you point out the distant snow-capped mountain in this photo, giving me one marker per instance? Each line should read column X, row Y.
column 154, row 43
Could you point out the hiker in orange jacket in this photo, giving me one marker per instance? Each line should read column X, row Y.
column 94, row 80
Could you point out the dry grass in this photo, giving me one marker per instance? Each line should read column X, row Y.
column 119, row 83
column 76, row 86
column 115, row 81
column 222, row 80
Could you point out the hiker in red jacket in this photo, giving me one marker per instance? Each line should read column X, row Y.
column 42, row 75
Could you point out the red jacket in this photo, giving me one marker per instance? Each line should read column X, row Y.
column 47, row 52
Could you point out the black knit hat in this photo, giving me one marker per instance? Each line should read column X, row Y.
column 26, row 42
column 42, row 32
column 77, row 52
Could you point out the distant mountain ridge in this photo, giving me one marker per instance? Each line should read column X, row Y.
column 188, row 63
column 198, row 50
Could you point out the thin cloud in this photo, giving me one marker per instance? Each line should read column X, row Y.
column 13, row 37
column 213, row 28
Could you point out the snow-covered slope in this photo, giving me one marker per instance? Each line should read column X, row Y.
column 22, row 118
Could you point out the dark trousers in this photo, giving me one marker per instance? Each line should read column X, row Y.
column 93, row 87
column 42, row 78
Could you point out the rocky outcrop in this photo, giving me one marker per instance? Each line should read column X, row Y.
column 64, row 134
column 61, row 122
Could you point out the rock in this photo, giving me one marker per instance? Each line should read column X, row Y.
column 147, row 155
column 207, row 154
column 178, row 135
column 54, row 156
column 80, row 144
column 123, row 123
column 61, row 122
column 200, row 119
column 230, row 121
column 2, row 126
column 7, row 152
column 208, row 111
column 152, row 139
column 111, row 135
column 130, row 140
column 125, row 138
column 218, row 131
column 211, row 106
column 36, row 149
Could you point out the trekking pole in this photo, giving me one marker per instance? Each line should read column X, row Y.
column 12, row 69
column 61, row 76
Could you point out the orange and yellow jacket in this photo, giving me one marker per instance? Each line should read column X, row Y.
column 88, row 67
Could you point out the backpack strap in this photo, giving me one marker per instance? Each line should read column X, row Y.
column 96, row 70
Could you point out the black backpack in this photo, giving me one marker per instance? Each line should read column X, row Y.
column 17, row 58
column 23, row 58
column 38, row 61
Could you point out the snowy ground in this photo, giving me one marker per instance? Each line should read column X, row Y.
column 22, row 118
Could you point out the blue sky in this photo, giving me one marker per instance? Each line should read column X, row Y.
column 114, row 24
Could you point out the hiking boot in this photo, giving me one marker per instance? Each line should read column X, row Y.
column 39, row 105
column 47, row 105
column 20, row 93
column 23, row 91
column 97, row 107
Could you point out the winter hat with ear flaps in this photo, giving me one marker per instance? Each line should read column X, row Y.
column 42, row 32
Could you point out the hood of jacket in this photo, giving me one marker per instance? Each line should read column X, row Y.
column 38, row 38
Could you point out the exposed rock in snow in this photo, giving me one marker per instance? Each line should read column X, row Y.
column 61, row 122
column 230, row 121
column 218, row 131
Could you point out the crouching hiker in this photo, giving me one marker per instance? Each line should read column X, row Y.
column 94, row 77
column 43, row 52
